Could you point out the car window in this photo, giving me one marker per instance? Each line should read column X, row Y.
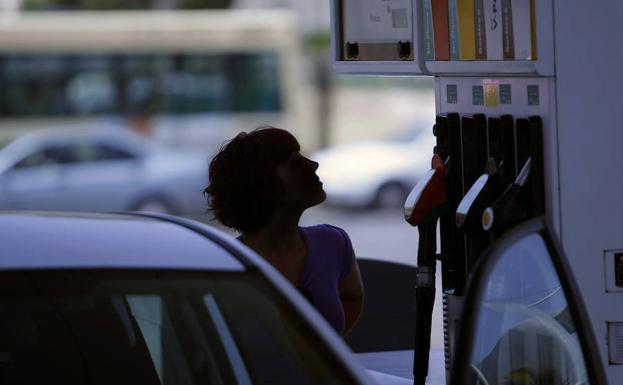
column 46, row 157
column 155, row 328
column 525, row 333
column 61, row 84
column 94, row 152
column 82, row 152
column 4, row 142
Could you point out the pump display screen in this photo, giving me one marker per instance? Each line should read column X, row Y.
column 377, row 29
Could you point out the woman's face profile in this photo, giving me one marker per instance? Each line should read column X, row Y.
column 302, row 187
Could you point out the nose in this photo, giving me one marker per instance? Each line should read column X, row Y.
column 314, row 164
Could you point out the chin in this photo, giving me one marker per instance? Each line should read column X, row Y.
column 323, row 197
column 318, row 199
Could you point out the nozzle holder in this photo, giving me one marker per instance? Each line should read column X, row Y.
column 425, row 277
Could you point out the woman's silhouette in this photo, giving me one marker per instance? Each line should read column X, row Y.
column 260, row 184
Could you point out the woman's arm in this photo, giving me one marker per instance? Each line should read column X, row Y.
column 351, row 294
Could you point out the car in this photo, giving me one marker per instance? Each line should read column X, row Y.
column 151, row 298
column 375, row 173
column 98, row 170
column 155, row 299
column 128, row 299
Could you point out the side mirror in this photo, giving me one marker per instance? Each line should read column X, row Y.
column 524, row 321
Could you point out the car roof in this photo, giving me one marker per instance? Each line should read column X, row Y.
column 80, row 134
column 46, row 240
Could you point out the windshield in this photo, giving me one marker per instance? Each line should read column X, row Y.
column 150, row 327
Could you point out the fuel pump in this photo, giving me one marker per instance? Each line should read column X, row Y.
column 524, row 129
column 469, row 195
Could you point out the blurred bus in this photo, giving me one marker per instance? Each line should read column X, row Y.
column 186, row 78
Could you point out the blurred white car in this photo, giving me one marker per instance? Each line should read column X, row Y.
column 98, row 170
column 375, row 172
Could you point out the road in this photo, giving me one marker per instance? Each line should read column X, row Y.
column 381, row 234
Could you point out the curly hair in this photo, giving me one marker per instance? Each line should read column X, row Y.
column 244, row 190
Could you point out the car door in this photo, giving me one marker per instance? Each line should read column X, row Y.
column 524, row 321
column 34, row 182
column 104, row 177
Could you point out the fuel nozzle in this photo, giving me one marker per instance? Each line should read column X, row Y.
column 478, row 197
column 508, row 209
column 428, row 200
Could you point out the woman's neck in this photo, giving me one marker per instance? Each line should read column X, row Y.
column 278, row 238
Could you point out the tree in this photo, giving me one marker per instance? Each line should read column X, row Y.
column 318, row 44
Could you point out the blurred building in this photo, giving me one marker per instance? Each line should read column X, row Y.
column 313, row 15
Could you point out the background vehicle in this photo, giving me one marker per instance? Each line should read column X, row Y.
column 132, row 299
column 375, row 172
column 187, row 78
column 99, row 170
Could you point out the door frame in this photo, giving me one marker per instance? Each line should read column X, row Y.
column 482, row 270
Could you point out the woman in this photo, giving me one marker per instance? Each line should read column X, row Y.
column 260, row 184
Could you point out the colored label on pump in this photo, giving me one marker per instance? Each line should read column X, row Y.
column 478, row 96
column 492, row 93
column 452, row 94
column 505, row 94
column 533, row 95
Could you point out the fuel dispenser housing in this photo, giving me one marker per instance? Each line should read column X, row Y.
column 542, row 135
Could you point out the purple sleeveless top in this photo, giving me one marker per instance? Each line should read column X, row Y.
column 329, row 260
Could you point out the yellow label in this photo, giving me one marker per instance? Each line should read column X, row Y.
column 533, row 30
column 492, row 93
column 485, row 219
column 467, row 32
